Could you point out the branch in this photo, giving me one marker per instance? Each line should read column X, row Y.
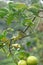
column 24, row 37
column 10, row 47
column 33, row 19
column 28, row 26
column 13, row 39
column 40, row 16
column 12, row 55
column 41, row 10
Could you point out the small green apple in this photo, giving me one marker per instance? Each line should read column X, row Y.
column 22, row 62
column 32, row 60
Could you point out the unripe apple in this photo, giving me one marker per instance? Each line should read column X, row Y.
column 32, row 60
column 22, row 62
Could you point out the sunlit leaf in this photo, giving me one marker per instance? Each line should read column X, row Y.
column 1, row 36
column 4, row 33
column 17, row 6
column 27, row 22
column 20, row 6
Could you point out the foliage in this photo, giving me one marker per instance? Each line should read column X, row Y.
column 34, row 1
column 37, row 50
column 25, row 15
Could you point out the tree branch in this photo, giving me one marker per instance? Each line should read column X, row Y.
column 28, row 26
column 41, row 10
column 40, row 16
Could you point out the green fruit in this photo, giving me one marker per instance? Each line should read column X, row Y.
column 32, row 60
column 22, row 62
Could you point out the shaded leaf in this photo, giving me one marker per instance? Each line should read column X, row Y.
column 28, row 44
column 3, row 12
column 23, row 54
column 34, row 10
column 9, row 18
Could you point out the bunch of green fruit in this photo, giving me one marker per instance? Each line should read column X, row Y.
column 31, row 60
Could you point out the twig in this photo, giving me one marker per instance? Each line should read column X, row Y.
column 24, row 37
column 40, row 16
column 41, row 10
column 11, row 51
column 28, row 26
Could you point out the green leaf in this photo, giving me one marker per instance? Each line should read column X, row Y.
column 1, row 45
column 34, row 10
column 34, row 1
column 3, row 12
column 23, row 54
column 4, row 33
column 1, row 36
column 20, row 6
column 28, row 44
column 10, row 18
column 37, row 5
column 17, row 6
column 10, row 29
column 27, row 22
